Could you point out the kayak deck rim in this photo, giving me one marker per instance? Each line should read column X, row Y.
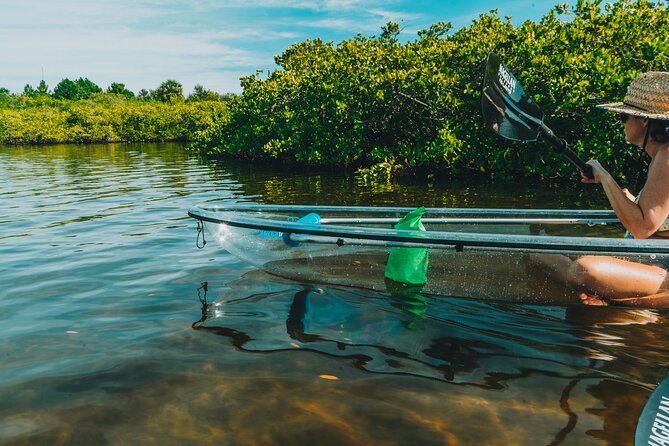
column 259, row 217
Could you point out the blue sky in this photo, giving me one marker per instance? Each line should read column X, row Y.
column 210, row 42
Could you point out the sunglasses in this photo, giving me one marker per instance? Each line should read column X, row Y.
column 623, row 117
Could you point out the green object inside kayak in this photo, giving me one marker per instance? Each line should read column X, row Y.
column 408, row 265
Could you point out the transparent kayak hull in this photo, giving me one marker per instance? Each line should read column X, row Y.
column 478, row 253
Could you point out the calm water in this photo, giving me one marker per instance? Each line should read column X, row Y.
column 100, row 291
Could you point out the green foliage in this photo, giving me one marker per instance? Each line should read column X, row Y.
column 168, row 91
column 117, row 88
column 28, row 91
column 66, row 89
column 102, row 118
column 5, row 96
column 81, row 88
column 42, row 88
column 415, row 106
column 202, row 94
column 78, row 111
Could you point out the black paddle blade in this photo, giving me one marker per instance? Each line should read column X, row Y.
column 512, row 113
column 507, row 109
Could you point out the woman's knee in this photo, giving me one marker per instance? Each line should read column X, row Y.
column 604, row 275
column 587, row 271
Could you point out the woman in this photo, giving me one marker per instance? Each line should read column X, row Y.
column 645, row 116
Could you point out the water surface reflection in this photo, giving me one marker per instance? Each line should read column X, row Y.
column 570, row 368
column 99, row 294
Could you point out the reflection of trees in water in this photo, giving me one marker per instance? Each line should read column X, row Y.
column 282, row 184
column 164, row 163
column 278, row 183
column 114, row 153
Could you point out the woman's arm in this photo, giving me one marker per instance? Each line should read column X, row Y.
column 655, row 198
column 641, row 219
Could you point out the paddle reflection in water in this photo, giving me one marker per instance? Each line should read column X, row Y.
column 476, row 372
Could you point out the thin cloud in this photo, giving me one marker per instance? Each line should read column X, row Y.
column 254, row 34
column 317, row 5
column 342, row 25
column 394, row 16
column 139, row 60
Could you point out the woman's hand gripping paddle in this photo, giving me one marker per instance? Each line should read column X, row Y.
column 512, row 113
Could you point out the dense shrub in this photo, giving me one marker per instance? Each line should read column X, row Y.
column 415, row 106
column 104, row 117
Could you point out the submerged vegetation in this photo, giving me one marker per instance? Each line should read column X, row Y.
column 79, row 111
column 386, row 106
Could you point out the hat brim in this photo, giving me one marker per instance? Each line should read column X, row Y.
column 620, row 107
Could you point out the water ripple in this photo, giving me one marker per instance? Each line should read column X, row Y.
column 101, row 286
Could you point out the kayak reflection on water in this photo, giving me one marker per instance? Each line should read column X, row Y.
column 488, row 346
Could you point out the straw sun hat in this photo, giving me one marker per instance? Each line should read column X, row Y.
column 647, row 96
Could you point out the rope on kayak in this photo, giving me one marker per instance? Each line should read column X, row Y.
column 200, row 230
column 204, row 286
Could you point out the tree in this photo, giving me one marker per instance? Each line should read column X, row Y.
column 228, row 96
column 28, row 91
column 143, row 95
column 5, row 96
column 82, row 88
column 66, row 89
column 87, row 88
column 42, row 88
column 168, row 91
column 117, row 88
column 202, row 94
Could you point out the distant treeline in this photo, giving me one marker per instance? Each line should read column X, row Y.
column 83, row 88
column 79, row 111
column 386, row 106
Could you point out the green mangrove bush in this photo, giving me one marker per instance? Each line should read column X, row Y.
column 388, row 106
column 104, row 117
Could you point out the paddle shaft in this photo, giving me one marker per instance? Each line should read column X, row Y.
column 560, row 145
column 512, row 114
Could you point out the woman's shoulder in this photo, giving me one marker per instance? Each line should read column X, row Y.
column 661, row 158
column 662, row 151
column 658, row 173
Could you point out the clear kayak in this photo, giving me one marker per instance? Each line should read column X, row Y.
column 477, row 253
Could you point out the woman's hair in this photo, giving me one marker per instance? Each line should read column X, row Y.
column 659, row 130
